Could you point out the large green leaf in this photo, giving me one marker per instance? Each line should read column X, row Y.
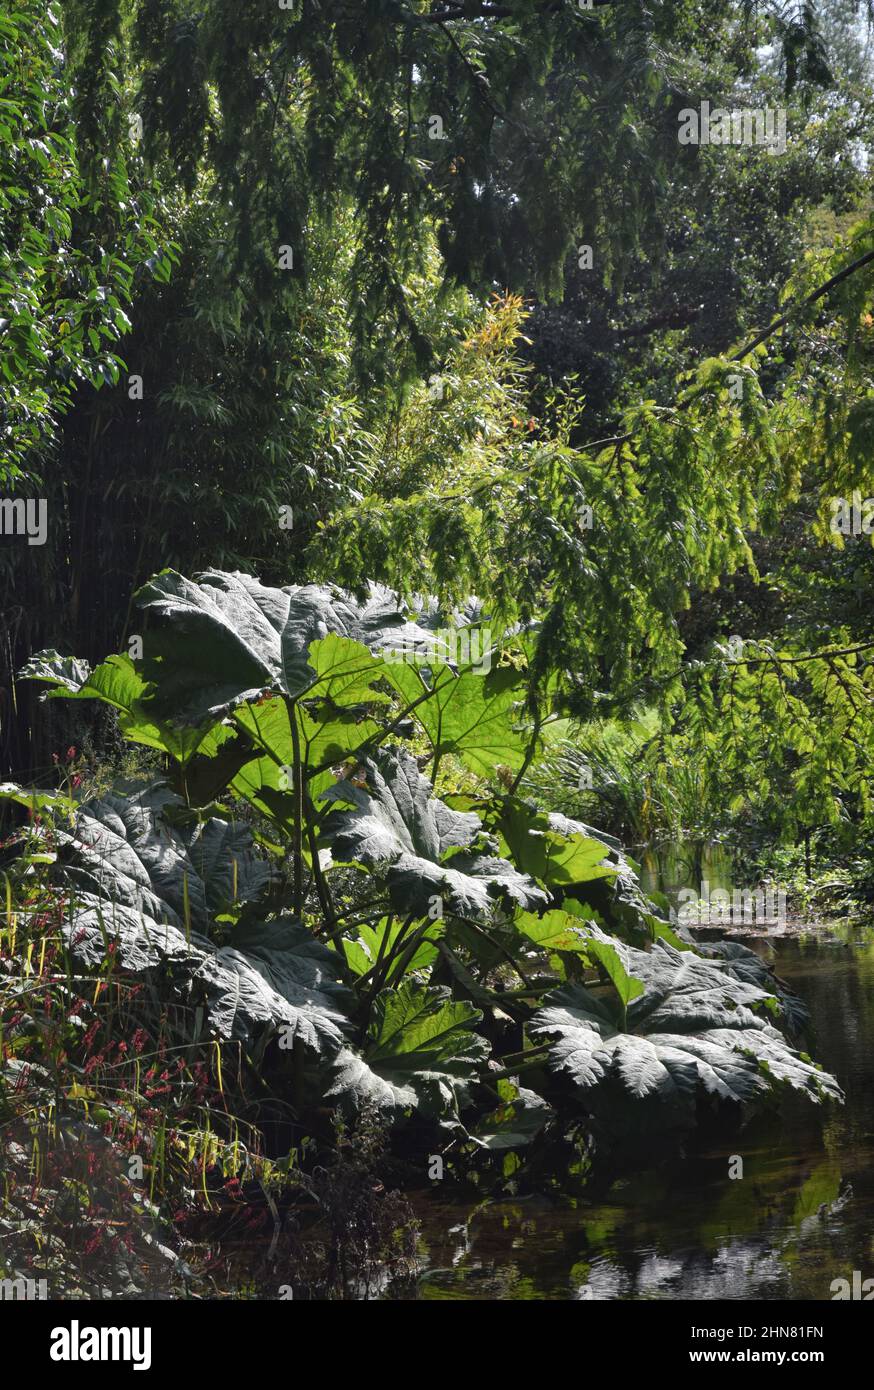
column 249, row 990
column 469, row 713
column 150, row 880
column 138, row 850
column 287, row 955
column 345, row 671
column 117, row 682
column 423, row 847
column 72, row 677
column 618, row 903
column 553, row 849
column 373, row 943
column 744, row 964
column 563, row 932
column 554, row 931
column 329, row 739
column 326, row 737
column 694, row 1030
column 228, row 638
column 264, row 784
column 420, row 1053
column 610, row 957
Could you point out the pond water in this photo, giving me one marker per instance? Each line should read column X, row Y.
column 801, row 1216
column 690, row 864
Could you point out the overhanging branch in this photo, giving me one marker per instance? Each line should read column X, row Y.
column 758, row 338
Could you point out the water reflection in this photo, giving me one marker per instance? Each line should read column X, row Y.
column 684, row 864
column 801, row 1216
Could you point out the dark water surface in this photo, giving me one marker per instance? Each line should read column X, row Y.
column 801, row 1216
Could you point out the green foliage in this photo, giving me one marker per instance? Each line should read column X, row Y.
column 154, row 887
column 128, row 849
column 247, row 638
column 417, row 907
column 510, row 520
column 420, row 1052
column 395, row 892
column 63, row 294
column 690, row 1027
column 129, row 1161
column 436, row 855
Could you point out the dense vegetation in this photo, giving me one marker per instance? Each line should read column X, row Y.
column 453, row 485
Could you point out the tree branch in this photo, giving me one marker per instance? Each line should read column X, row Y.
column 755, row 341
column 780, row 322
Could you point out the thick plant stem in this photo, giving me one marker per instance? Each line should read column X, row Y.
column 412, row 947
column 507, row 1072
column 297, row 840
column 529, row 754
column 326, row 900
column 385, row 959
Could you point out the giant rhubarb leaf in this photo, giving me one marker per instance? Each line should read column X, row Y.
column 117, row 682
column 470, row 713
column 242, row 993
column 227, row 638
column 423, row 847
column 553, row 849
column 144, row 851
column 694, row 1030
column 149, row 884
column 420, row 1053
